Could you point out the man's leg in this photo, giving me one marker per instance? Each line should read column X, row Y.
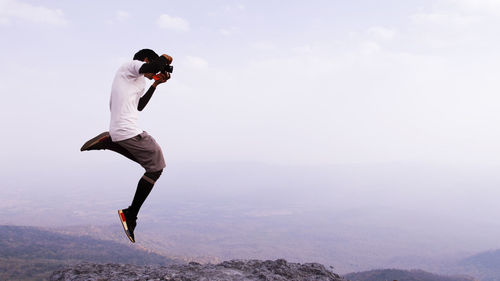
column 144, row 187
column 149, row 155
column 103, row 141
column 128, row 216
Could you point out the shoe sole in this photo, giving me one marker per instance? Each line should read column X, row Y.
column 124, row 224
column 94, row 140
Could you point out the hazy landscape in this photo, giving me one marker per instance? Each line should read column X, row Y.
column 250, row 210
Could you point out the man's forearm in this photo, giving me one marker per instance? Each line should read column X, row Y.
column 143, row 101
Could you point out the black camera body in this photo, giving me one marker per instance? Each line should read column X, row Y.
column 167, row 68
column 164, row 65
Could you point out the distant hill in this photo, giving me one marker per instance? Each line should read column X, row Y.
column 29, row 253
column 485, row 265
column 402, row 275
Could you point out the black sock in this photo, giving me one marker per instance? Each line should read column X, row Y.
column 144, row 187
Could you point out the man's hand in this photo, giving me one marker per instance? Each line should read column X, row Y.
column 163, row 78
column 169, row 58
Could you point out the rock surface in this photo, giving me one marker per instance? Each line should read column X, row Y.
column 233, row 270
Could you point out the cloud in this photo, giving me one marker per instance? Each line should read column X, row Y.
column 458, row 25
column 228, row 31
column 196, row 63
column 305, row 49
column 381, row 32
column 173, row 23
column 460, row 13
column 10, row 10
column 369, row 48
column 122, row 15
column 477, row 6
column 264, row 46
column 234, row 8
column 449, row 18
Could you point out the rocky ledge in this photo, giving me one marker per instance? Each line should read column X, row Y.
column 233, row 270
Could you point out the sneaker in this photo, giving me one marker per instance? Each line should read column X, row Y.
column 98, row 142
column 128, row 222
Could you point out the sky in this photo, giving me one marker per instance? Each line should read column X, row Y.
column 277, row 82
column 289, row 83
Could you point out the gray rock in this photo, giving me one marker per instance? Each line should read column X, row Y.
column 234, row 270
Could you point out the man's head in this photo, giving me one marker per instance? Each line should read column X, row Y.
column 146, row 55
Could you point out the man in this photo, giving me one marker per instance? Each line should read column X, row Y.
column 124, row 137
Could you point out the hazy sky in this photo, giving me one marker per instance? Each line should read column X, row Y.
column 272, row 81
column 283, row 82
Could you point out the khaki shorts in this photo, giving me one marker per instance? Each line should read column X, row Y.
column 145, row 149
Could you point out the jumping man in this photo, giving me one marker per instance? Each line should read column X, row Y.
column 124, row 136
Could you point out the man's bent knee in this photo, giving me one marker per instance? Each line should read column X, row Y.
column 152, row 177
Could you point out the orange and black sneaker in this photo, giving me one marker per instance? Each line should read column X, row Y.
column 128, row 222
column 98, row 142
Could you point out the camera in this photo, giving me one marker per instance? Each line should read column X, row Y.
column 165, row 65
column 167, row 68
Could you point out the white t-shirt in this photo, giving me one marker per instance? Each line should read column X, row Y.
column 128, row 88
